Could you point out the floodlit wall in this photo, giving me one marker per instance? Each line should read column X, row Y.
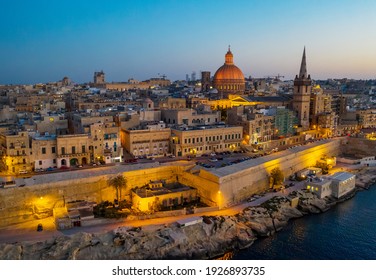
column 20, row 203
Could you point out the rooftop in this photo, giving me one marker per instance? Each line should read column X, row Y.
column 202, row 127
column 232, row 169
column 156, row 191
column 342, row 176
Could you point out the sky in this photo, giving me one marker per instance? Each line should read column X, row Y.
column 43, row 41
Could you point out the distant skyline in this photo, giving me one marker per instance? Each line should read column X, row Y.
column 43, row 41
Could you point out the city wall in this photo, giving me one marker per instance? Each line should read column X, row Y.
column 37, row 201
column 359, row 147
column 229, row 185
column 220, row 187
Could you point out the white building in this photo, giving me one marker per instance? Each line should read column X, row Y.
column 368, row 161
column 342, row 183
column 337, row 185
column 321, row 187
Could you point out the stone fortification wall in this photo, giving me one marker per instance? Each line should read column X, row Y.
column 30, row 202
column 37, row 200
column 220, row 187
column 359, row 147
column 242, row 180
column 207, row 188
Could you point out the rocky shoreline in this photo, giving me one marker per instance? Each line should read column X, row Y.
column 213, row 237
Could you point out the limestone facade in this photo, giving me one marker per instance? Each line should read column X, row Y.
column 15, row 152
column 205, row 139
column 152, row 140
column 190, row 117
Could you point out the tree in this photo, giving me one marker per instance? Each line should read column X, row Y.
column 118, row 182
column 276, row 176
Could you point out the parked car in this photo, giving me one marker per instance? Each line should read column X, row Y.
column 50, row 169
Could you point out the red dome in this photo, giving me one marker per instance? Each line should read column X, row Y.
column 229, row 78
column 228, row 72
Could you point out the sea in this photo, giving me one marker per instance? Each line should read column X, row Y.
column 345, row 232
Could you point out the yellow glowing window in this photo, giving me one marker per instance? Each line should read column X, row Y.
column 308, row 187
column 51, row 119
column 317, row 189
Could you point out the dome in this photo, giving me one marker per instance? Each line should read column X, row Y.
column 229, row 78
column 229, row 72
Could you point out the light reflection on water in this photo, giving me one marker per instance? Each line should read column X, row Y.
column 347, row 231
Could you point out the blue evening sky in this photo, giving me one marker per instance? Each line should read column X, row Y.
column 42, row 41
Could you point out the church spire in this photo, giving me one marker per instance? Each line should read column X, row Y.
column 303, row 67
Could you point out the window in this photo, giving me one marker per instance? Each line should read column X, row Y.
column 40, row 162
column 63, row 150
column 83, row 149
column 53, row 150
column 43, row 151
column 54, row 160
column 73, row 149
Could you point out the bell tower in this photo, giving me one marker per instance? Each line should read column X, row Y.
column 302, row 94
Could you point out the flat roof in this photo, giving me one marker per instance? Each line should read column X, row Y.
column 203, row 127
column 342, row 176
column 231, row 169
column 156, row 191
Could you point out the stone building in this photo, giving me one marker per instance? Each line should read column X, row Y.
column 157, row 196
column 105, row 143
column 150, row 139
column 367, row 118
column 44, row 149
column 205, row 81
column 337, row 185
column 15, row 152
column 190, row 117
column 72, row 150
column 99, row 78
column 172, row 103
column 199, row 140
column 53, row 124
column 320, row 103
column 257, row 127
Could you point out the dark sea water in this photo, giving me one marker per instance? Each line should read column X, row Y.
column 345, row 232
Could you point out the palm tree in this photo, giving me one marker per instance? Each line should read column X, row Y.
column 117, row 182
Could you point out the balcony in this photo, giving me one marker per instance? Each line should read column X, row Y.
column 73, row 155
column 232, row 140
